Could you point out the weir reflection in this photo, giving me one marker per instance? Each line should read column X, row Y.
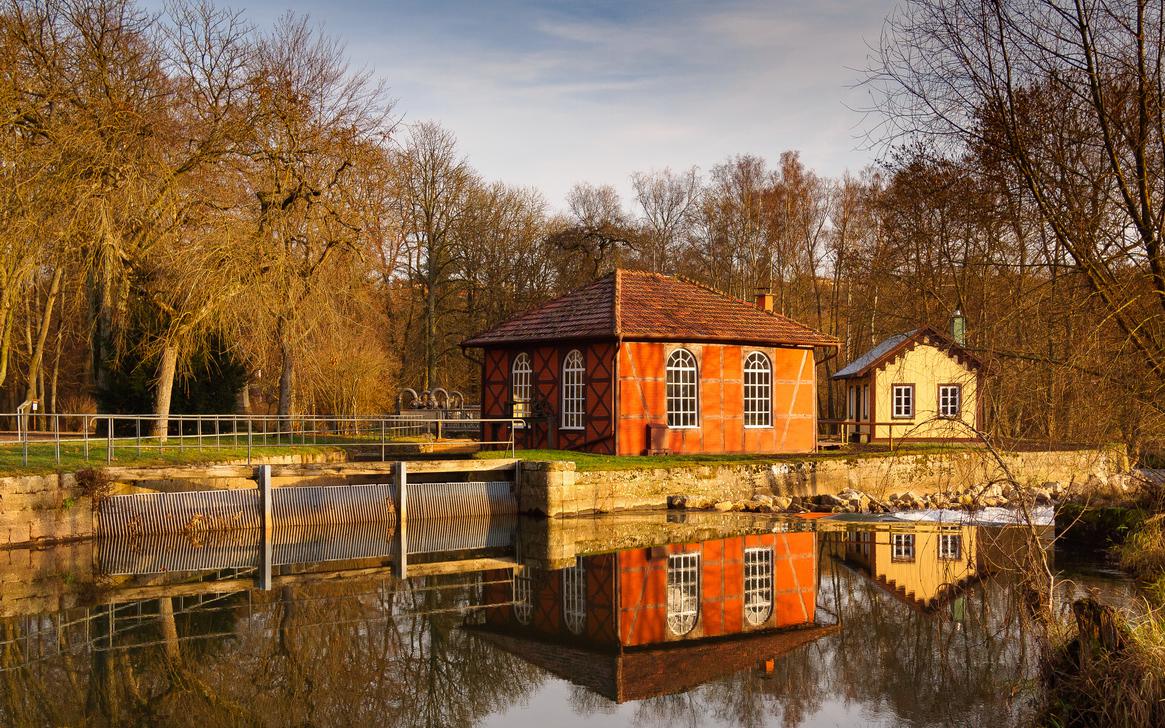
column 652, row 619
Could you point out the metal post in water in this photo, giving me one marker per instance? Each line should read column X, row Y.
column 265, row 520
column 402, row 480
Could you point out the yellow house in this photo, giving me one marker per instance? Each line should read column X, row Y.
column 919, row 385
column 922, row 564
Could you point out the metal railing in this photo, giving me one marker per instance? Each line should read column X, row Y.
column 101, row 436
column 845, row 430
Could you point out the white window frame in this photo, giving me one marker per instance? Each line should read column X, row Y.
column 758, row 390
column 902, row 547
column 682, row 390
column 574, row 597
column 949, row 394
column 522, row 587
column 902, row 401
column 573, row 391
column 950, row 546
column 758, row 585
column 521, row 386
column 683, row 592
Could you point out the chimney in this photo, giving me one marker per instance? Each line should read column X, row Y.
column 959, row 328
column 764, row 300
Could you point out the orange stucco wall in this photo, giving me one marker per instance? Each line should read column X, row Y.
column 642, row 400
column 643, row 587
column 626, row 593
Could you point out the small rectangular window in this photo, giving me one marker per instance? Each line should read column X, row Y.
column 950, row 546
column 903, row 405
column 950, row 401
column 902, row 547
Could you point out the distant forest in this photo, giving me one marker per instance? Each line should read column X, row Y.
column 203, row 215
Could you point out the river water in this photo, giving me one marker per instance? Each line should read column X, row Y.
column 651, row 619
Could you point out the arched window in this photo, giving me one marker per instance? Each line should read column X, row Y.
column 520, row 386
column 682, row 389
column 523, row 605
column 758, row 585
column 758, row 391
column 573, row 397
column 574, row 597
column 683, row 592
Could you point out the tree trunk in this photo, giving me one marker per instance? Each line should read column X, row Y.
column 286, row 376
column 167, row 368
column 34, row 388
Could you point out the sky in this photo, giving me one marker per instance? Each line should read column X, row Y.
column 546, row 94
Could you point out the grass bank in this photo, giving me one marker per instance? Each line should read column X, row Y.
column 42, row 458
column 1107, row 670
column 585, row 461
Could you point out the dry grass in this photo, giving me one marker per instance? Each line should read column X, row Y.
column 1143, row 552
column 1124, row 687
column 1090, row 684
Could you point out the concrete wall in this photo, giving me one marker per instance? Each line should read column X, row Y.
column 558, row 489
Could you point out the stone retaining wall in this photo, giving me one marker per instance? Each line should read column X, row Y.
column 558, row 489
column 41, row 508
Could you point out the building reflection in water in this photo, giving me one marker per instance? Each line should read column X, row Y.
column 653, row 621
column 760, row 623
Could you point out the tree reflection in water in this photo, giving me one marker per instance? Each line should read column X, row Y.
column 377, row 651
column 338, row 653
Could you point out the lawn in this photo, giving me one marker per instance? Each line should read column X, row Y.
column 589, row 461
column 42, row 457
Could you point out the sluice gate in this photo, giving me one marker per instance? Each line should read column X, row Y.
column 269, row 527
column 203, row 511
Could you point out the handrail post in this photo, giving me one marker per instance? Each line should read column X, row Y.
column 57, row 434
column 266, row 522
column 85, row 434
column 109, row 439
column 248, row 441
column 138, row 435
column 402, row 483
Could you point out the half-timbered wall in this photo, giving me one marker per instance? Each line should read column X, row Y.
column 627, row 600
column 543, row 430
column 721, row 429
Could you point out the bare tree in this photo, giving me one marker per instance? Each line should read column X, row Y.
column 1066, row 101
column 668, row 201
column 433, row 190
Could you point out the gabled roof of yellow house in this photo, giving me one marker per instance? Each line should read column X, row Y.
column 890, row 348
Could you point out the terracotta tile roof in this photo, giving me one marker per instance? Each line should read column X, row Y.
column 639, row 305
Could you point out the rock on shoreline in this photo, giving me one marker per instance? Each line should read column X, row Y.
column 992, row 495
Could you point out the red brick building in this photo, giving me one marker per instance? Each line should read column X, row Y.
column 595, row 369
column 626, row 623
